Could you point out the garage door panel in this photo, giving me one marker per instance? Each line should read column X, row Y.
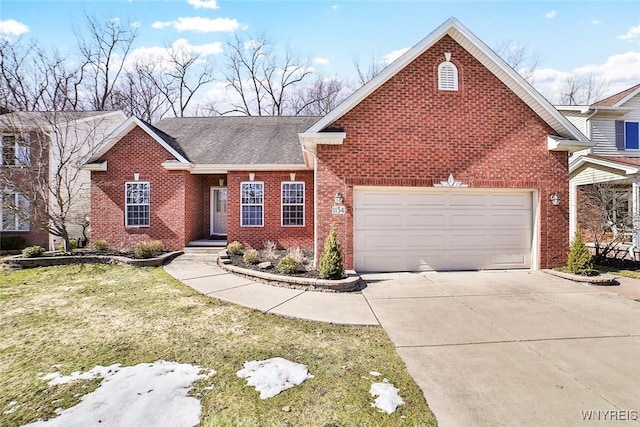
column 510, row 218
column 466, row 219
column 426, row 219
column 425, row 200
column 408, row 229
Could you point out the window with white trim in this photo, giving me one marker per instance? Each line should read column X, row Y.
column 137, row 204
column 15, row 212
column 292, row 202
column 252, row 204
column 15, row 150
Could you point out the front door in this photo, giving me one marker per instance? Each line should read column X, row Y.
column 218, row 210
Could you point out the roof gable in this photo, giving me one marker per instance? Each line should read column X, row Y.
column 480, row 52
column 160, row 137
column 619, row 99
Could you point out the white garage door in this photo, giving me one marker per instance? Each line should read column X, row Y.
column 408, row 229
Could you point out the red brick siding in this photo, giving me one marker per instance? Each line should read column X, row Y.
column 137, row 152
column 408, row 133
column 285, row 237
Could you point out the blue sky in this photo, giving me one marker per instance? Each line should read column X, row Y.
column 601, row 37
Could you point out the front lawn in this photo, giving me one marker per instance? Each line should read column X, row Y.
column 76, row 317
column 633, row 274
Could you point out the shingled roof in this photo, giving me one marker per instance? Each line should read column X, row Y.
column 229, row 140
column 613, row 100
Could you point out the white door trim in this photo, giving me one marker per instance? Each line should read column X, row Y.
column 212, row 210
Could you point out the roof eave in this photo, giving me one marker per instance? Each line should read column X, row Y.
column 627, row 169
column 196, row 169
column 555, row 143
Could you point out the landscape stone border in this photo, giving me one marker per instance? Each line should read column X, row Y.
column 19, row 262
column 353, row 282
column 601, row 280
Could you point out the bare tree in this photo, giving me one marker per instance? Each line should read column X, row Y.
column 520, row 58
column 604, row 215
column 104, row 46
column 262, row 82
column 49, row 148
column 32, row 79
column 319, row 98
column 583, row 89
column 374, row 68
column 137, row 94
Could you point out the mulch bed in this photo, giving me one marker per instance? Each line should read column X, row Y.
column 239, row 262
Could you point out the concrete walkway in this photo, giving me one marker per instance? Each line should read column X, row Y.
column 202, row 273
column 486, row 348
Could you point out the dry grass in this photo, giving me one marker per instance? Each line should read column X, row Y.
column 77, row 317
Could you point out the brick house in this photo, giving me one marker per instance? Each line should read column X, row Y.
column 446, row 160
column 31, row 144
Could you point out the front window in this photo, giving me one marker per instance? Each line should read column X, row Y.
column 293, row 204
column 15, row 212
column 252, row 204
column 631, row 136
column 137, row 203
column 15, row 150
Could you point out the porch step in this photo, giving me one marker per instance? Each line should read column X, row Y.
column 202, row 250
column 205, row 246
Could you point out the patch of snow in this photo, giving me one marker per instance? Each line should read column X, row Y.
column 148, row 394
column 272, row 376
column 375, row 373
column 388, row 398
column 56, row 378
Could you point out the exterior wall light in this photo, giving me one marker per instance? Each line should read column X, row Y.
column 252, row 176
column 338, row 198
column 555, row 199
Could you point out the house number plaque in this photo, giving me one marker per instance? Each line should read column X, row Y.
column 338, row 210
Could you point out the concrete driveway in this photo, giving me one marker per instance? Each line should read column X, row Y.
column 513, row 348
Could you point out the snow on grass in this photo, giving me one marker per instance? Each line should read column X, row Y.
column 388, row 398
column 272, row 376
column 148, row 394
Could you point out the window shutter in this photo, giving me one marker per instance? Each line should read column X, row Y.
column 620, row 134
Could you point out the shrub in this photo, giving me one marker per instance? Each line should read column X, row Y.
column 298, row 255
column 8, row 243
column 100, row 245
column 251, row 256
column 148, row 249
column 288, row 265
column 579, row 261
column 73, row 244
column 235, row 248
column 33, row 251
column 330, row 266
column 270, row 250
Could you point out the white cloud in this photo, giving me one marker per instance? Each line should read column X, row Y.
column 632, row 34
column 320, row 61
column 596, row 22
column 200, row 25
column 620, row 71
column 205, row 4
column 136, row 24
column 11, row 27
column 551, row 14
column 160, row 55
column 393, row 55
column 334, row 6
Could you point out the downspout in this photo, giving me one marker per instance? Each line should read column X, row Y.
column 588, row 125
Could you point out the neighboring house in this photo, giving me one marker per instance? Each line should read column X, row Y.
column 32, row 144
column 446, row 160
column 612, row 125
